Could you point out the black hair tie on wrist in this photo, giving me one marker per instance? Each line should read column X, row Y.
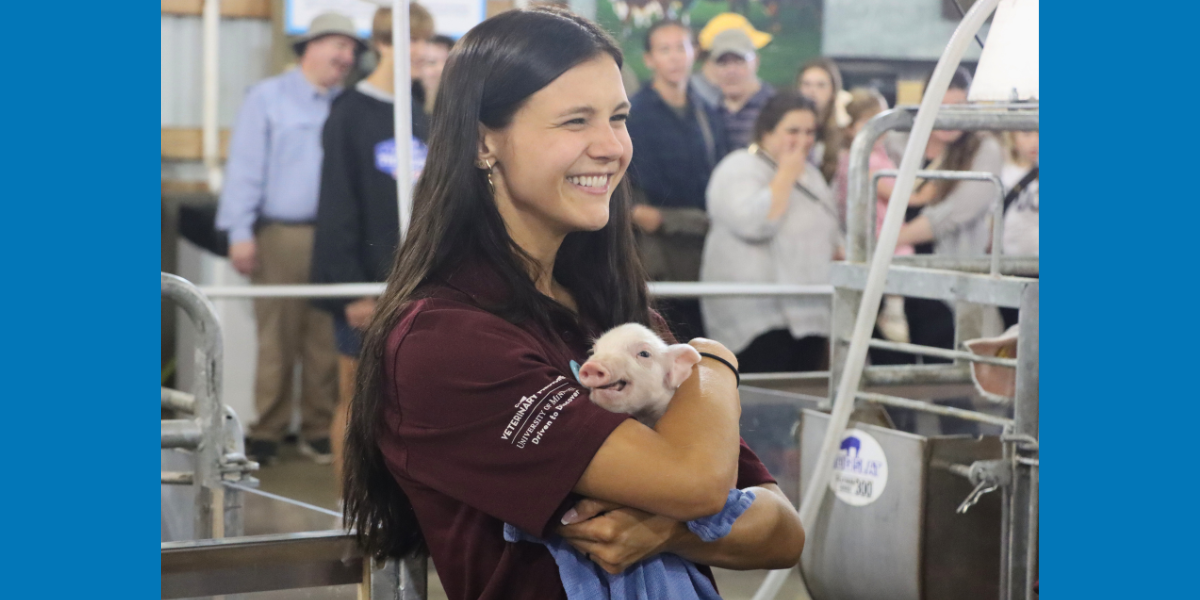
column 726, row 363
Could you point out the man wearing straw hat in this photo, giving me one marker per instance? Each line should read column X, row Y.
column 268, row 206
column 732, row 45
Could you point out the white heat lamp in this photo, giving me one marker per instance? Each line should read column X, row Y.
column 1008, row 67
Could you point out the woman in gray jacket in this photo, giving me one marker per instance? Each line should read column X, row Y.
column 773, row 221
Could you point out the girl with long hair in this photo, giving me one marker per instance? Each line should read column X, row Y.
column 466, row 414
column 949, row 218
column 820, row 80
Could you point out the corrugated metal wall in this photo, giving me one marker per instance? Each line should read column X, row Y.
column 245, row 59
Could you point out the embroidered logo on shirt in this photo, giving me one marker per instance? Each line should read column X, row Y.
column 538, row 411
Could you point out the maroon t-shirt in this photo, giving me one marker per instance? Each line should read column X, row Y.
column 495, row 429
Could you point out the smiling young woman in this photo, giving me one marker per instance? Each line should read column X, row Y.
column 466, row 415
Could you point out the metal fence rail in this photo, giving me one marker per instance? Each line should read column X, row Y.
column 967, row 285
column 937, row 409
column 859, row 231
column 997, row 206
column 262, row 563
column 661, row 289
column 942, row 353
column 221, row 560
column 203, row 433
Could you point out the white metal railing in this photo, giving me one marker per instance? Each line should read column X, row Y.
column 661, row 289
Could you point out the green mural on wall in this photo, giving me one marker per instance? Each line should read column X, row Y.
column 795, row 25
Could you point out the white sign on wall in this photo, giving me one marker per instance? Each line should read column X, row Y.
column 450, row 17
column 860, row 470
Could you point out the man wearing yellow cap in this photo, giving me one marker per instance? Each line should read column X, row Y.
column 704, row 83
column 728, row 79
column 743, row 94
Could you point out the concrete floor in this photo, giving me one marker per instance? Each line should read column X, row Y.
column 296, row 477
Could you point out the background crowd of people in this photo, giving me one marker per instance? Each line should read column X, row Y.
column 735, row 180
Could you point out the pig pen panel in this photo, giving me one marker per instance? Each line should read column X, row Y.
column 909, row 542
column 871, row 551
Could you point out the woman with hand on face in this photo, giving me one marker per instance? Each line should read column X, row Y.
column 773, row 221
column 466, row 414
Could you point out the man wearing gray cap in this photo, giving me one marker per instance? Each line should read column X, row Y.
column 268, row 206
column 743, row 94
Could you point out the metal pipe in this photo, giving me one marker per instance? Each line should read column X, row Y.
column 1031, row 556
column 963, row 471
column 180, row 433
column 402, row 112
column 929, row 407
column 1019, row 568
column 259, row 563
column 208, row 357
column 331, row 290
column 881, row 375
column 210, row 127
column 916, row 374
column 414, row 578
column 942, row 353
column 963, row 117
column 177, row 400
column 997, row 229
column 257, row 492
column 177, row 477
column 868, row 310
column 997, row 206
column 1021, row 266
column 949, row 286
column 662, row 289
column 683, row 289
column 786, row 376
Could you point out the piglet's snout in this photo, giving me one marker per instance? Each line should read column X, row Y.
column 593, row 375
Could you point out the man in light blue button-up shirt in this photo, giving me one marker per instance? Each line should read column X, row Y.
column 268, row 206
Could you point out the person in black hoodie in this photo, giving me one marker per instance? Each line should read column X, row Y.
column 358, row 223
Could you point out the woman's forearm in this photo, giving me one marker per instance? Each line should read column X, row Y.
column 702, row 423
column 767, row 536
column 916, row 231
column 781, row 191
column 685, row 466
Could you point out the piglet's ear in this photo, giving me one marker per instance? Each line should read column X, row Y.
column 680, row 360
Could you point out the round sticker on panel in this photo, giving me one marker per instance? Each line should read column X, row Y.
column 860, row 470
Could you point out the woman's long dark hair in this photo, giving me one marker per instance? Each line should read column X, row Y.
column 959, row 155
column 490, row 74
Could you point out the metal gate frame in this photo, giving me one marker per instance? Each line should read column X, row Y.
column 968, row 285
column 220, row 560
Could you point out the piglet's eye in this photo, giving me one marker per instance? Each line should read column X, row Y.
column 644, row 354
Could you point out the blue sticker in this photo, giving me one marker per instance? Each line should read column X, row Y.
column 385, row 157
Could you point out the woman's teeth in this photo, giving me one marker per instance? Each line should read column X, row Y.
column 592, row 181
